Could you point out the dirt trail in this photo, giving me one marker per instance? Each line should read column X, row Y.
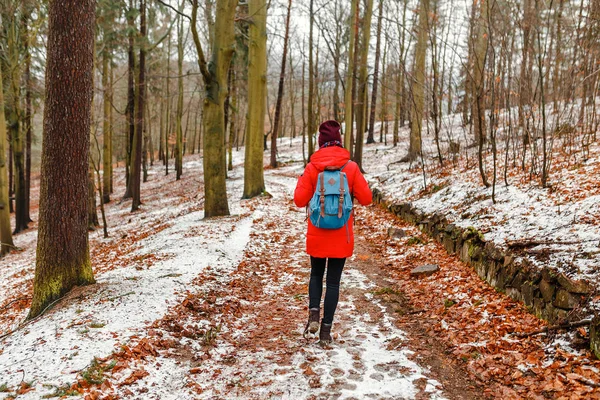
column 240, row 335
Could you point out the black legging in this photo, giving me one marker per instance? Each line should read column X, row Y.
column 315, row 286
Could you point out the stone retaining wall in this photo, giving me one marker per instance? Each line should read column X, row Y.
column 549, row 295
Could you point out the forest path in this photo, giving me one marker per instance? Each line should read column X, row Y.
column 192, row 308
column 239, row 335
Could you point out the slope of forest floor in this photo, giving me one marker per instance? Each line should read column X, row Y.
column 561, row 221
column 193, row 308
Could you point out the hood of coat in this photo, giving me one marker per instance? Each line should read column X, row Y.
column 329, row 157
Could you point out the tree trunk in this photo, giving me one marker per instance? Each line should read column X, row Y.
column 384, row 110
column 179, row 128
column 15, row 127
column 28, row 119
column 370, row 136
column 215, row 82
column 168, row 111
column 93, row 222
column 558, row 57
column 136, row 155
column 254, row 183
column 480, row 44
column 311, row 85
column 418, row 84
column 110, row 120
column 5, row 230
column 276, row 123
column 478, row 113
column 106, row 130
column 348, row 98
column 130, row 98
column 361, row 105
column 232, row 114
column 62, row 259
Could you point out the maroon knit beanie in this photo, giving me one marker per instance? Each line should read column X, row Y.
column 329, row 131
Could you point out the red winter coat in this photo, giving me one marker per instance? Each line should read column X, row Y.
column 334, row 243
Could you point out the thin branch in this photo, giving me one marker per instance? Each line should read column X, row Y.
column 201, row 58
column 546, row 329
column 174, row 9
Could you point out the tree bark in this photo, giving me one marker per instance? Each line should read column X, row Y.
column 363, row 84
column 93, row 222
column 62, row 259
column 348, row 98
column 232, row 114
column 136, row 155
column 311, row 85
column 106, row 130
column 418, row 84
column 179, row 128
column 130, row 98
column 215, row 82
column 254, row 183
column 15, row 128
column 28, row 117
column 277, row 121
column 370, row 136
column 5, row 230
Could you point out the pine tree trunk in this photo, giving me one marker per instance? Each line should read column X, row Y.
column 16, row 129
column 62, row 259
column 370, row 136
column 110, row 120
column 254, row 183
column 106, row 130
column 168, row 111
column 232, row 115
column 5, row 229
column 130, row 98
column 179, row 127
column 136, row 155
column 93, row 222
column 28, row 118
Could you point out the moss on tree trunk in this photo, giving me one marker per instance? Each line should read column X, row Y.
column 63, row 260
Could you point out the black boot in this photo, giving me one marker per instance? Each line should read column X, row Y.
column 312, row 325
column 313, row 320
column 325, row 334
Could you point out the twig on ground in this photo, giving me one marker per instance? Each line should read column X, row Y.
column 119, row 296
column 4, row 307
column 524, row 243
column 568, row 325
column 27, row 322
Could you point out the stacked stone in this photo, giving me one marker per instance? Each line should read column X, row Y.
column 548, row 294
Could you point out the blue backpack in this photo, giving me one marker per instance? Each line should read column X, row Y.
column 331, row 205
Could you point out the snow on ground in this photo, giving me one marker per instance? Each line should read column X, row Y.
column 568, row 211
column 260, row 355
column 153, row 259
column 124, row 301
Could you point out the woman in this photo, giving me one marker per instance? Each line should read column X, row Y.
column 328, row 246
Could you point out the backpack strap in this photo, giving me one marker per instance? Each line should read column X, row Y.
column 342, row 190
column 322, row 193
